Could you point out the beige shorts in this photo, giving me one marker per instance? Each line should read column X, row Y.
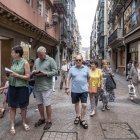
column 44, row 97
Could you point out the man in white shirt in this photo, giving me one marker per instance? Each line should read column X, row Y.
column 64, row 72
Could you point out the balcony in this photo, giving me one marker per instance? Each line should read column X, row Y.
column 111, row 17
column 60, row 6
column 117, row 6
column 116, row 36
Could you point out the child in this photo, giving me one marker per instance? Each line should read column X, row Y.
column 4, row 90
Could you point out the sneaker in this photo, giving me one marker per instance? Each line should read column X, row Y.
column 36, row 110
column 103, row 109
column 53, row 90
column 92, row 113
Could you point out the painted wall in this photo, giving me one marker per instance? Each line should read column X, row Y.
column 30, row 13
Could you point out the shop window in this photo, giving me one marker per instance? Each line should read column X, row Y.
column 26, row 47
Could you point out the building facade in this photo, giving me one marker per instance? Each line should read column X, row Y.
column 124, row 31
column 103, row 28
column 70, row 27
column 94, row 47
column 76, row 39
column 41, row 23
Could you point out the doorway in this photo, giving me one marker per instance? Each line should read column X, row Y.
column 5, row 55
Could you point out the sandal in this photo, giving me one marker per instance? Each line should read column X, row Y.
column 12, row 131
column 47, row 125
column 77, row 120
column 84, row 124
column 107, row 107
column 26, row 127
column 40, row 122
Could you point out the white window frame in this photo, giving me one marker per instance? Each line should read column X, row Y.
column 47, row 13
column 29, row 2
column 40, row 7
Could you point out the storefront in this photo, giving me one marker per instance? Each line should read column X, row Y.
column 133, row 51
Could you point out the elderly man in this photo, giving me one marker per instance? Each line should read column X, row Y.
column 79, row 76
column 44, row 69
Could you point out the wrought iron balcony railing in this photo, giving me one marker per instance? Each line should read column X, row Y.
column 116, row 35
column 60, row 5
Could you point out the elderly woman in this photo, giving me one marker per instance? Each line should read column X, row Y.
column 18, row 94
column 108, row 86
column 95, row 83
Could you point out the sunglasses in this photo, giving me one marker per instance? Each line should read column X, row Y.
column 78, row 60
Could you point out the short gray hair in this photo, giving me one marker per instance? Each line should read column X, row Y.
column 41, row 49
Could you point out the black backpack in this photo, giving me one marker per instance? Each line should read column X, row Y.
column 110, row 83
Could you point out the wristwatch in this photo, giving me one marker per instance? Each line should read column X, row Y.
column 66, row 88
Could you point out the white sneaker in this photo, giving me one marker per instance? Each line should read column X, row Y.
column 92, row 113
column 53, row 90
column 36, row 110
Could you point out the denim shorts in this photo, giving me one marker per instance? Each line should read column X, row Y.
column 76, row 97
column 18, row 97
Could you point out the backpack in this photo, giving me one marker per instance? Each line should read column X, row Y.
column 110, row 83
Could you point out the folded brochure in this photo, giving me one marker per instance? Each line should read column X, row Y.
column 8, row 70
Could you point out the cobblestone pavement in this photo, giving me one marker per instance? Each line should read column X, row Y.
column 122, row 121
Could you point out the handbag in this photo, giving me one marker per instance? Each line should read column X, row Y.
column 132, row 90
column 110, row 83
column 93, row 89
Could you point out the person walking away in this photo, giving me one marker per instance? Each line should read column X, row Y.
column 129, row 65
column 44, row 69
column 4, row 90
column 95, row 84
column 18, row 93
column 31, row 82
column 135, row 76
column 64, row 73
column 109, row 85
column 79, row 76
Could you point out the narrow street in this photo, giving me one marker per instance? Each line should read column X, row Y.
column 122, row 121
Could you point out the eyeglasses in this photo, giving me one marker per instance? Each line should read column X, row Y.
column 78, row 60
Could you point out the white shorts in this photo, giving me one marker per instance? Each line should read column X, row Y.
column 44, row 97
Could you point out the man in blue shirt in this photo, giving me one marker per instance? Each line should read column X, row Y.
column 79, row 76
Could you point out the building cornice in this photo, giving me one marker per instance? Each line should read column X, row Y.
column 15, row 22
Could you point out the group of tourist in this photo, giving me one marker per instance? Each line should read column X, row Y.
column 80, row 81
column 96, row 82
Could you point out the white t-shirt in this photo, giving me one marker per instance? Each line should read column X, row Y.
column 6, row 85
column 65, row 67
column 138, row 70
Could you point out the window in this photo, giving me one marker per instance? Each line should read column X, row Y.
column 131, row 17
column 134, row 19
column 29, row 2
column 40, row 7
column 47, row 11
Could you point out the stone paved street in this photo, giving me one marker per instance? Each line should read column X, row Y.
column 121, row 122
